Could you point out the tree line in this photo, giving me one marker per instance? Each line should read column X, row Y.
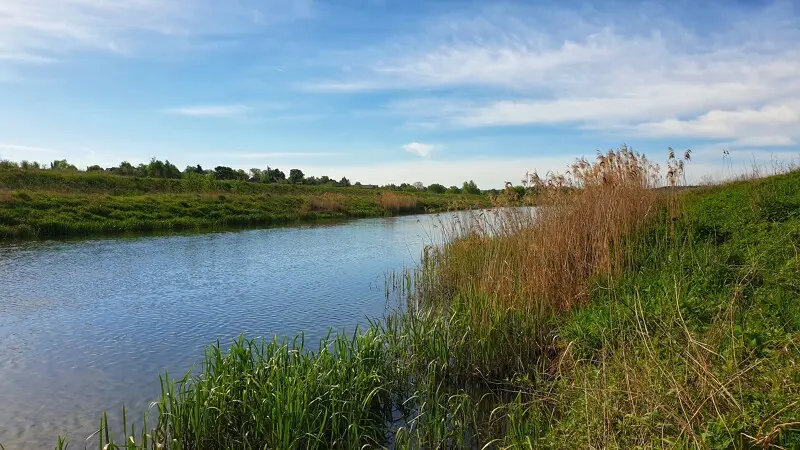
column 164, row 169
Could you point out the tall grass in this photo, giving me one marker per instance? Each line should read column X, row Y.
column 397, row 203
column 329, row 202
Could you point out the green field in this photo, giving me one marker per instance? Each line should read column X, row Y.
column 648, row 320
column 46, row 204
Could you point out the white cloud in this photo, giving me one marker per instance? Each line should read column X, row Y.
column 261, row 155
column 26, row 148
column 487, row 173
column 636, row 68
column 41, row 30
column 211, row 110
column 777, row 124
column 419, row 149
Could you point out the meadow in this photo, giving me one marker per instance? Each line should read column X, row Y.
column 619, row 316
column 47, row 204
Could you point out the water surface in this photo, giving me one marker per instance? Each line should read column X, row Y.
column 88, row 325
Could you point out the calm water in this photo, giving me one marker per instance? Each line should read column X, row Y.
column 88, row 325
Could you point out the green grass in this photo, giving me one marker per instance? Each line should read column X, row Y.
column 48, row 204
column 695, row 344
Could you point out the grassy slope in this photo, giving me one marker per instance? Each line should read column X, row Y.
column 699, row 343
column 695, row 345
column 49, row 204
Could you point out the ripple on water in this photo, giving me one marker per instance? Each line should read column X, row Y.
column 88, row 325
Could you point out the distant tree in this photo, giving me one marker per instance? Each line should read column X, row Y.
column 437, row 188
column 140, row 171
column 126, row 169
column 28, row 165
column 275, row 175
column 419, row 186
column 257, row 173
column 155, row 169
column 6, row 164
column 344, row 182
column 470, row 187
column 62, row 164
column 94, row 168
column 171, row 170
column 198, row 169
column 296, row 176
column 224, row 173
column 453, row 190
column 241, row 175
column 358, row 183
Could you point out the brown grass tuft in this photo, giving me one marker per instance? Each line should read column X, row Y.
column 328, row 202
column 396, row 202
column 6, row 196
column 579, row 232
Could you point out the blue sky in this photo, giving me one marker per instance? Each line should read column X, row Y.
column 390, row 91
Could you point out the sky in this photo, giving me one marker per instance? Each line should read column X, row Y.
column 390, row 91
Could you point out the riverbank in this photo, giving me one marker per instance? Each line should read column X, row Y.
column 43, row 204
column 622, row 318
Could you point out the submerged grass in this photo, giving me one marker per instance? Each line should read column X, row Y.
column 617, row 316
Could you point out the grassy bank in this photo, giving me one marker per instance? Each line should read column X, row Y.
column 621, row 317
column 56, row 204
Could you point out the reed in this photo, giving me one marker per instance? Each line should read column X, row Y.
column 397, row 203
column 328, row 202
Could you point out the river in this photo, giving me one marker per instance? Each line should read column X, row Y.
column 88, row 325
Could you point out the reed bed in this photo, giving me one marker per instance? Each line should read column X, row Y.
column 397, row 203
column 329, row 202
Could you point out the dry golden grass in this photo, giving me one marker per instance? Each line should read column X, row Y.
column 6, row 196
column 395, row 202
column 328, row 202
column 579, row 232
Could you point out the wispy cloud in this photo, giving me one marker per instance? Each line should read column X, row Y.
column 219, row 111
column 26, row 148
column 734, row 77
column 260, row 155
column 39, row 30
column 419, row 149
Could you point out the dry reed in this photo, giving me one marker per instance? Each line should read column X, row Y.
column 579, row 232
column 396, row 202
column 328, row 202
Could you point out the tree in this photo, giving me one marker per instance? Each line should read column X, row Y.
column 224, row 173
column 344, row 182
column 470, row 187
column 453, row 190
column 94, row 168
column 419, row 186
column 198, row 169
column 171, row 170
column 437, row 188
column 126, row 169
column 257, row 174
column 275, row 175
column 140, row 171
column 296, row 176
column 62, row 164
column 28, row 165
